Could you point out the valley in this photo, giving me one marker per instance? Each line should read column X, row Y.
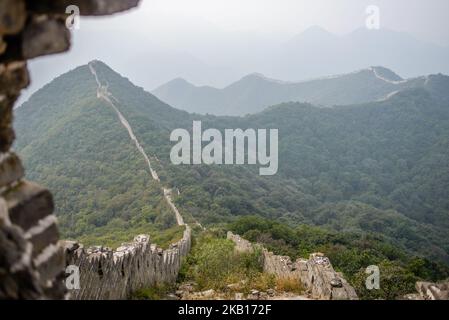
column 365, row 180
column 224, row 150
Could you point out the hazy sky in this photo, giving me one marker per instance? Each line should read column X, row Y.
column 426, row 19
column 174, row 33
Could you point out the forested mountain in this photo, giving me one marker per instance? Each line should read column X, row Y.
column 218, row 58
column 377, row 168
column 73, row 144
column 255, row 92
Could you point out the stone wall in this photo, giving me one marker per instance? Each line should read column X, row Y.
column 316, row 274
column 430, row 291
column 107, row 274
column 31, row 261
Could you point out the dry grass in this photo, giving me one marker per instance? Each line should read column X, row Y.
column 289, row 284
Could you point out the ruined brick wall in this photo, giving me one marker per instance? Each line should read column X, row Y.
column 31, row 261
column 107, row 274
column 316, row 274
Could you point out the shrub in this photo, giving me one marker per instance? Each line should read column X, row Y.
column 213, row 264
column 154, row 293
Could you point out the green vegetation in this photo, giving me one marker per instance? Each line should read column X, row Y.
column 373, row 177
column 72, row 143
column 253, row 93
column 378, row 168
column 350, row 253
column 115, row 233
column 214, row 264
column 159, row 292
column 395, row 281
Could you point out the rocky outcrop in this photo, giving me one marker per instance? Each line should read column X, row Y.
column 433, row 291
column 31, row 260
column 316, row 274
column 107, row 274
column 430, row 291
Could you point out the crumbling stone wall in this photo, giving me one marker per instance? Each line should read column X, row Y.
column 31, row 261
column 430, row 291
column 316, row 274
column 107, row 274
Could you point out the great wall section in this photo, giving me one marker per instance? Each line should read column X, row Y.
column 319, row 278
column 32, row 264
column 32, row 257
column 316, row 274
column 108, row 274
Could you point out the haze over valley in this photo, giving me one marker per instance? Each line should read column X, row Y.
column 360, row 162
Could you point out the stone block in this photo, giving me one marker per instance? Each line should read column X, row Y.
column 44, row 35
column 52, row 266
column 11, row 169
column 6, row 117
column 28, row 203
column 13, row 78
column 3, row 45
column 44, row 236
column 16, row 279
column 69, row 246
column 6, row 138
column 31, row 262
column 12, row 16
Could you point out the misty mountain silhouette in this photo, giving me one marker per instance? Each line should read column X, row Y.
column 255, row 92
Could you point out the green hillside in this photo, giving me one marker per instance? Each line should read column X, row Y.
column 379, row 168
column 72, row 143
column 254, row 92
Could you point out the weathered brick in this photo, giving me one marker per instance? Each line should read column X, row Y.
column 43, row 36
column 6, row 138
column 4, row 217
column 52, row 265
column 41, row 240
column 28, row 203
column 6, row 107
column 28, row 29
column 13, row 49
column 3, row 45
column 56, row 289
column 11, row 169
column 12, row 16
column 16, row 280
column 13, row 77
column 6, row 117
column 87, row 7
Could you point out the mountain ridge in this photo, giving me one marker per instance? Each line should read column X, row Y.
column 354, row 168
column 255, row 92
